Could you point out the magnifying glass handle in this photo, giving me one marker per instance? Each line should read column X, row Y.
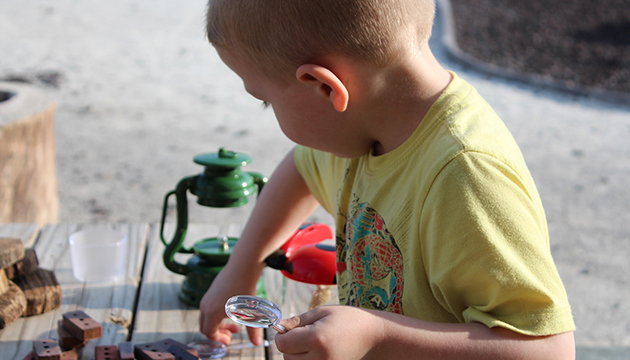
column 279, row 328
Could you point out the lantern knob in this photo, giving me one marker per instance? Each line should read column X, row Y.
column 223, row 159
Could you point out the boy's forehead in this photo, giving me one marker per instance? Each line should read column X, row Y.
column 228, row 57
column 245, row 67
column 239, row 64
column 253, row 79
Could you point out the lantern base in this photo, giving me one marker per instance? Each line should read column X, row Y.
column 196, row 284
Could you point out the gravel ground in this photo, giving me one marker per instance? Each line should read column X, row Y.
column 581, row 43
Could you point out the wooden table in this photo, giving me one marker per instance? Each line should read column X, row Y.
column 142, row 307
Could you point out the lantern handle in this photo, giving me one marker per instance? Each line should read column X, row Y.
column 259, row 179
column 182, row 215
column 163, row 221
column 164, row 208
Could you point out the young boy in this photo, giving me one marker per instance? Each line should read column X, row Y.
column 442, row 243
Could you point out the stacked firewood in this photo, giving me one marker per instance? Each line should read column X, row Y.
column 25, row 288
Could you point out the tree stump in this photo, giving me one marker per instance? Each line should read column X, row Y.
column 28, row 167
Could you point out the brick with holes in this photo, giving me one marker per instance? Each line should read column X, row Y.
column 171, row 345
column 81, row 325
column 106, row 352
column 152, row 351
column 46, row 349
column 181, row 353
column 68, row 341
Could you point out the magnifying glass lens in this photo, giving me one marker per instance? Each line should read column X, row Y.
column 209, row 349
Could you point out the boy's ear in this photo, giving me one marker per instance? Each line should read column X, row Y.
column 325, row 83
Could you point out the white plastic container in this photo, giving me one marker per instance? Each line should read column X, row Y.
column 98, row 255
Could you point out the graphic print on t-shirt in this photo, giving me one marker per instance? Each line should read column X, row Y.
column 370, row 266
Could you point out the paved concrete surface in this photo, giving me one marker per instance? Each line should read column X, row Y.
column 140, row 92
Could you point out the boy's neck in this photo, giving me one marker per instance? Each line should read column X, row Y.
column 396, row 99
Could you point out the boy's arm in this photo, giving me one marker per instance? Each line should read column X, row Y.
column 343, row 332
column 284, row 203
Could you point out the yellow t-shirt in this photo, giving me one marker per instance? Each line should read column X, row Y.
column 448, row 227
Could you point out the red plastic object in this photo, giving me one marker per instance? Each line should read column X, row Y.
column 312, row 264
column 308, row 233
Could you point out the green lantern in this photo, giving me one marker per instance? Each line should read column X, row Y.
column 221, row 185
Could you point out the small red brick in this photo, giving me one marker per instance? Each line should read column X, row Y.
column 168, row 343
column 181, row 353
column 152, row 351
column 46, row 349
column 67, row 341
column 106, row 352
column 81, row 325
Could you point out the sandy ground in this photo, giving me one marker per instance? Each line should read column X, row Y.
column 140, row 92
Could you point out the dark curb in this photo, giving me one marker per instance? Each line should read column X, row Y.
column 455, row 53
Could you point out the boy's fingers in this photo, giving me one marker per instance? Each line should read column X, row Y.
column 224, row 337
column 230, row 326
column 221, row 331
column 292, row 322
column 255, row 335
column 224, row 332
column 304, row 319
column 294, row 341
column 206, row 325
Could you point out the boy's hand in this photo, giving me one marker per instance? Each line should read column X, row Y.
column 330, row 332
column 212, row 306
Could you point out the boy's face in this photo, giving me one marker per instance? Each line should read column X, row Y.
column 303, row 116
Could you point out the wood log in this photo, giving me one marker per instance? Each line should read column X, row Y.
column 4, row 282
column 26, row 265
column 42, row 291
column 28, row 170
column 11, row 251
column 12, row 305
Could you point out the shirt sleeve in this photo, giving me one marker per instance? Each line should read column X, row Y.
column 486, row 249
column 311, row 166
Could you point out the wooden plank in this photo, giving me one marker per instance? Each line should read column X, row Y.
column 109, row 303
column 160, row 313
column 27, row 232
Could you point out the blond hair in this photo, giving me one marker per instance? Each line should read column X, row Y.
column 280, row 35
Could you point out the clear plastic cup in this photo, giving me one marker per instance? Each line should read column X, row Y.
column 98, row 255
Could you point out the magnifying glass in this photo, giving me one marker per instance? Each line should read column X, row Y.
column 254, row 311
